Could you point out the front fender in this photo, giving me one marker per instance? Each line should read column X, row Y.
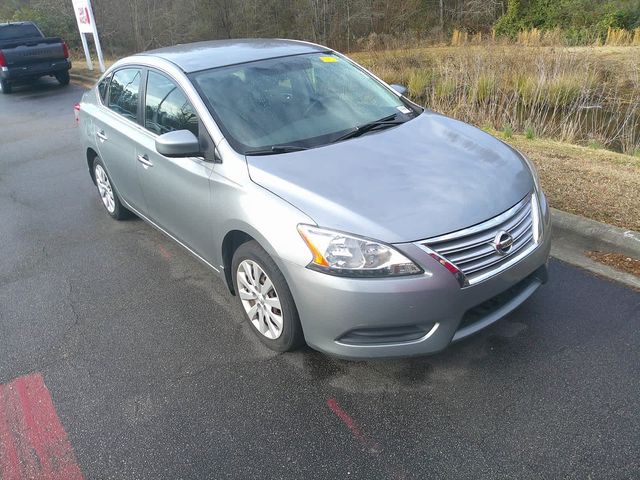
column 267, row 218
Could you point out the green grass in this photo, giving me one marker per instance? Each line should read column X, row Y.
column 529, row 133
column 507, row 131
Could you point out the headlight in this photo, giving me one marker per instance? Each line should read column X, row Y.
column 338, row 253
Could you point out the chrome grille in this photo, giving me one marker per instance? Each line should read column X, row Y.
column 473, row 250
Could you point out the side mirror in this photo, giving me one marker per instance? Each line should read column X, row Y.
column 179, row 143
column 401, row 89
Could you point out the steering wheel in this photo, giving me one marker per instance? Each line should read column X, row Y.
column 243, row 121
column 315, row 103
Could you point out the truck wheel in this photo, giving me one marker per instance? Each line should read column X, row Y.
column 5, row 86
column 63, row 77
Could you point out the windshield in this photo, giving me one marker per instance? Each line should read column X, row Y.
column 303, row 100
column 18, row 30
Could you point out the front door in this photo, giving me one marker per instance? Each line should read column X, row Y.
column 176, row 190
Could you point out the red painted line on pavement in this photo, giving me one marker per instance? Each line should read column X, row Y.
column 389, row 470
column 9, row 463
column 164, row 252
column 371, row 445
column 332, row 403
column 33, row 442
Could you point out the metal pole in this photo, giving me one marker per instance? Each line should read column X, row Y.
column 87, row 56
column 95, row 36
column 99, row 51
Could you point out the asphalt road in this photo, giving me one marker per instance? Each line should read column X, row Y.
column 154, row 375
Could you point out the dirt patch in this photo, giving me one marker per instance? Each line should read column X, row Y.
column 597, row 184
column 619, row 261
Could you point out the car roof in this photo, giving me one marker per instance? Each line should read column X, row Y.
column 191, row 57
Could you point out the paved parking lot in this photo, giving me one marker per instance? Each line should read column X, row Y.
column 153, row 374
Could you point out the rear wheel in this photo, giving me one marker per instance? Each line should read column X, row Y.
column 63, row 77
column 5, row 86
column 108, row 194
column 265, row 298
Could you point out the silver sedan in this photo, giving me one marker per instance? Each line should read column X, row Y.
column 337, row 211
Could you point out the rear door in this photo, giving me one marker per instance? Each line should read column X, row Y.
column 116, row 128
column 176, row 190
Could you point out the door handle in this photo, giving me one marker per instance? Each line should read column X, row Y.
column 144, row 160
column 101, row 135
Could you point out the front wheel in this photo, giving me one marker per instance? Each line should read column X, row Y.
column 5, row 87
column 63, row 77
column 265, row 298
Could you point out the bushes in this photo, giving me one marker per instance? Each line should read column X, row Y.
column 134, row 25
column 583, row 21
column 511, row 22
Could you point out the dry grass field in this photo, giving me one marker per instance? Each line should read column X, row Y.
column 594, row 183
column 584, row 95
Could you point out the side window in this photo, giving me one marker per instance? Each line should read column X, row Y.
column 103, row 88
column 166, row 107
column 123, row 92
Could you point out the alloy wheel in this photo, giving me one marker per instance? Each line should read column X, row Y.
column 104, row 188
column 259, row 299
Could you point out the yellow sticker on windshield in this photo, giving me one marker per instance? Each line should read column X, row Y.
column 328, row 59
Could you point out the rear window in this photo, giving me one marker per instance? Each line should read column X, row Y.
column 17, row 31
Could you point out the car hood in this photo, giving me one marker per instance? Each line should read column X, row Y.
column 429, row 176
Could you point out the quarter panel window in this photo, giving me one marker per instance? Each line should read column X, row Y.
column 123, row 92
column 167, row 108
column 103, row 87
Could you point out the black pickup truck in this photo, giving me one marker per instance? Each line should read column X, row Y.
column 26, row 54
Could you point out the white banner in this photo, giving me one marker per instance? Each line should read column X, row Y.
column 83, row 16
column 87, row 25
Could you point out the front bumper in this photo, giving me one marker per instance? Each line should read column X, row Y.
column 34, row 70
column 417, row 315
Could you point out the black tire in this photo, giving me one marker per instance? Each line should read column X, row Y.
column 5, row 87
column 291, row 337
column 63, row 77
column 119, row 211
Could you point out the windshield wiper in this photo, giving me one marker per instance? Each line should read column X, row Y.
column 389, row 120
column 273, row 149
